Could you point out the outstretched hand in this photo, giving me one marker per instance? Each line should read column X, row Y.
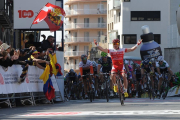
column 139, row 42
column 95, row 41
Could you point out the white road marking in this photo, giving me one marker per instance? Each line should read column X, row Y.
column 100, row 113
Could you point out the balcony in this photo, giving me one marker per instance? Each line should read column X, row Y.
column 77, row 40
column 85, row 26
column 71, row 66
column 116, row 4
column 74, row 53
column 86, row 12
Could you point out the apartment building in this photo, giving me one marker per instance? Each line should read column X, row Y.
column 126, row 17
column 85, row 20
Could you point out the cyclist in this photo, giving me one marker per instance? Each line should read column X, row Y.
column 105, row 65
column 85, row 67
column 117, row 55
column 146, row 66
column 71, row 79
column 95, row 66
column 162, row 66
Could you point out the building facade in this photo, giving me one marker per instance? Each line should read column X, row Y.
column 85, row 20
column 6, row 21
column 126, row 17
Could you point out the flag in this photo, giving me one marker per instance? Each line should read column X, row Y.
column 48, row 88
column 58, row 66
column 53, row 15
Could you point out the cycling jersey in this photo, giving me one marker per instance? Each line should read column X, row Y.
column 117, row 58
column 106, row 66
column 71, row 77
column 163, row 66
column 82, row 65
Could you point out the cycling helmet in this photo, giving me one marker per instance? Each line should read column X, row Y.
column 153, row 60
column 116, row 41
column 94, row 63
column 160, row 58
column 146, row 61
column 83, row 56
column 71, row 71
column 103, row 54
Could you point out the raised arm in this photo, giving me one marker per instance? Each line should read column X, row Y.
column 99, row 47
column 133, row 48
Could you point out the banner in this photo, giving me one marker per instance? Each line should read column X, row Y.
column 9, row 80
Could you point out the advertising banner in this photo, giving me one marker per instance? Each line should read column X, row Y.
column 9, row 80
column 25, row 11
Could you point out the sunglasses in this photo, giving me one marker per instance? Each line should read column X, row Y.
column 160, row 61
column 104, row 57
column 115, row 43
column 84, row 59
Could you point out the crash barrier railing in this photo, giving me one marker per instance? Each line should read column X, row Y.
column 30, row 90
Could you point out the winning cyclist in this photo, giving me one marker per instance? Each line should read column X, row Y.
column 117, row 55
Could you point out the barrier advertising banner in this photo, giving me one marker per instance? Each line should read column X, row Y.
column 9, row 80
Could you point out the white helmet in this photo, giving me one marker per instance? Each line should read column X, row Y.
column 153, row 60
column 160, row 58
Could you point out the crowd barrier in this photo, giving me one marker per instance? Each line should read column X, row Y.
column 32, row 88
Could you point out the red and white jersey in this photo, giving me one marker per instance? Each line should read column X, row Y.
column 88, row 64
column 117, row 57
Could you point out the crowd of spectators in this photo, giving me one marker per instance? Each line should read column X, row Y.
column 30, row 54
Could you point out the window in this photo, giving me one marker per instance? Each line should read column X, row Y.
column 157, row 38
column 145, row 15
column 114, row 18
column 86, row 22
column 130, row 39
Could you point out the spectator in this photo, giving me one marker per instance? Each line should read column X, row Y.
column 36, row 61
column 30, row 42
column 47, row 43
column 26, row 53
column 44, row 37
column 41, row 53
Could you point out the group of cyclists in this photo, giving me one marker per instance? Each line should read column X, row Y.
column 134, row 76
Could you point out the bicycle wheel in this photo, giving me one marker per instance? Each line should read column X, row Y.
column 107, row 91
column 90, row 96
column 121, row 97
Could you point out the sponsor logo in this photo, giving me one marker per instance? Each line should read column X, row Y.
column 152, row 53
column 27, row 79
column 25, row 13
column 1, row 79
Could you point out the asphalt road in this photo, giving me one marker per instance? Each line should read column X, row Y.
column 99, row 109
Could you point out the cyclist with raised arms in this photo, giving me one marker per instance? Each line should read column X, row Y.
column 117, row 55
